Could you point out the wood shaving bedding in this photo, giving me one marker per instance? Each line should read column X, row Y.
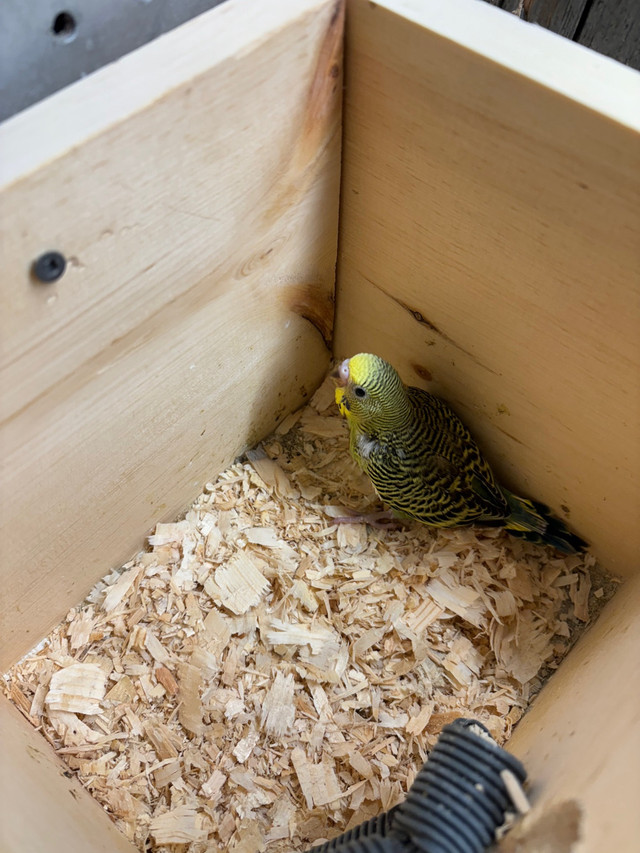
column 262, row 679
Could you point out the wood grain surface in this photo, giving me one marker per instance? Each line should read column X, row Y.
column 44, row 808
column 193, row 187
column 489, row 245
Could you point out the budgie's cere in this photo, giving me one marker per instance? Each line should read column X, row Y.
column 423, row 461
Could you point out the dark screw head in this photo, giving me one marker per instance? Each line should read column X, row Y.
column 49, row 267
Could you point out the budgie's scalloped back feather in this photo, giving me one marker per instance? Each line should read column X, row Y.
column 424, row 462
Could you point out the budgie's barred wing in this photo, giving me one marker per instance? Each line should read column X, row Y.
column 439, row 493
column 452, row 477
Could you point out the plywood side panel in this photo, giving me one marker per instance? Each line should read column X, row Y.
column 198, row 212
column 489, row 245
column 580, row 742
column 43, row 808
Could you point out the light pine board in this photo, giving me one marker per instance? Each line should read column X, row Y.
column 42, row 809
column 580, row 742
column 193, row 185
column 489, row 239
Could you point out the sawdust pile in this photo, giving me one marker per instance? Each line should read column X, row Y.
column 261, row 678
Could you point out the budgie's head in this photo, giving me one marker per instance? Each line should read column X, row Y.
column 370, row 393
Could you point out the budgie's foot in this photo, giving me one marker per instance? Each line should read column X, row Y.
column 384, row 519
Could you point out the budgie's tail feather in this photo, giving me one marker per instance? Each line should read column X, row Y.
column 535, row 522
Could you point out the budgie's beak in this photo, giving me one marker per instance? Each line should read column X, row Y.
column 343, row 403
column 341, row 373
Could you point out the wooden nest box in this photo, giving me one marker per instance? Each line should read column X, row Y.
column 469, row 210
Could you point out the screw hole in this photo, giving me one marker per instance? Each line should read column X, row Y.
column 64, row 26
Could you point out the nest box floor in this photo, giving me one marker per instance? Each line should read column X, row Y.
column 261, row 679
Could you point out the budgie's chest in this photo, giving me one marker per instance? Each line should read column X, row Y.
column 371, row 449
column 427, row 433
column 404, row 466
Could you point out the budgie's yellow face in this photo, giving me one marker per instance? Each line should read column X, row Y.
column 370, row 393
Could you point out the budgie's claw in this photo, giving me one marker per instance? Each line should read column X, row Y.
column 383, row 519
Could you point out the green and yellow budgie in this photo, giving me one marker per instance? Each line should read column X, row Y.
column 425, row 464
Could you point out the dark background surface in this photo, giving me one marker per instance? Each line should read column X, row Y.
column 611, row 27
column 48, row 44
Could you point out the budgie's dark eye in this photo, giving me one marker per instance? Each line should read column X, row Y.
column 359, row 391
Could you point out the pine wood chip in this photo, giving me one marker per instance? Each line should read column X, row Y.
column 318, row 781
column 278, row 710
column 579, row 594
column 265, row 536
column 247, row 838
column 213, row 786
column 505, row 602
column 522, row 649
column 240, row 583
column 368, row 639
column 19, row 699
column 155, row 648
column 305, row 595
column 271, row 474
column 165, row 677
column 360, row 765
column 37, row 703
column 78, row 688
column 159, row 735
column 243, row 749
column 80, row 629
column 170, row 533
column 73, row 731
column 299, row 634
column 167, row 772
column 217, row 629
column 120, row 590
column 179, row 826
column 462, row 601
column 426, row 614
column 417, row 724
column 122, row 691
column 190, row 708
column 323, row 427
